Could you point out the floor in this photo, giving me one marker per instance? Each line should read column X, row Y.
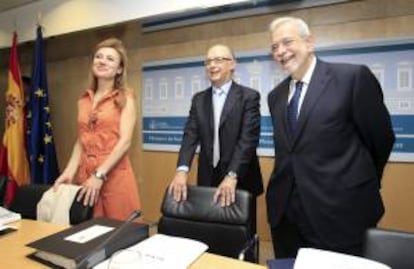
column 265, row 252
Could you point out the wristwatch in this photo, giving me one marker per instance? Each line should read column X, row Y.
column 99, row 175
column 232, row 174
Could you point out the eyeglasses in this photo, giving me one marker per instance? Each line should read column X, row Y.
column 217, row 60
column 286, row 42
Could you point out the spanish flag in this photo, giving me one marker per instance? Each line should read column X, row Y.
column 13, row 159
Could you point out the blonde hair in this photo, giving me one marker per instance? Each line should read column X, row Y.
column 301, row 25
column 120, row 81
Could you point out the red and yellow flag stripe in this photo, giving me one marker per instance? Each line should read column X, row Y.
column 14, row 136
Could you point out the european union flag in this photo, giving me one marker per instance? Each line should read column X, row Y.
column 42, row 155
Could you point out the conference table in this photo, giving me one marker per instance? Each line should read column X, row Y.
column 13, row 250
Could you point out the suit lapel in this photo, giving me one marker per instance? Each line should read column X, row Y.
column 231, row 99
column 285, row 124
column 317, row 86
column 209, row 109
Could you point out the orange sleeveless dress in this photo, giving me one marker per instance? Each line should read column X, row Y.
column 99, row 131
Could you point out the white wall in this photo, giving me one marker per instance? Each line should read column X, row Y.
column 65, row 16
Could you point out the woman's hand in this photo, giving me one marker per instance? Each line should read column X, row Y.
column 63, row 178
column 90, row 191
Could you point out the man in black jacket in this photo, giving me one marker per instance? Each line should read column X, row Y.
column 334, row 136
column 225, row 121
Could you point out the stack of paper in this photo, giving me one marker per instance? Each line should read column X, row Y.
column 309, row 258
column 157, row 252
column 7, row 216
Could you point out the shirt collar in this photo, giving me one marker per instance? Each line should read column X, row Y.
column 225, row 87
column 308, row 75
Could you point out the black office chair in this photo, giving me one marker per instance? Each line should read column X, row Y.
column 26, row 199
column 393, row 248
column 228, row 231
column 3, row 187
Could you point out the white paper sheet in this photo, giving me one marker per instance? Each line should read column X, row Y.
column 8, row 216
column 310, row 258
column 157, row 252
column 88, row 234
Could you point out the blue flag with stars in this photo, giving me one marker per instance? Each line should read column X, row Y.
column 42, row 155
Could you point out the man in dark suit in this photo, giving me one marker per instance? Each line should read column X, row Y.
column 225, row 121
column 333, row 137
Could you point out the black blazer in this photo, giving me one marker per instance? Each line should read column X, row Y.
column 239, row 133
column 343, row 141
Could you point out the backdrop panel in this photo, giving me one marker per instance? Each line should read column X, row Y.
column 168, row 87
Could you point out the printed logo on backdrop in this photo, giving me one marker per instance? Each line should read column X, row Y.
column 168, row 87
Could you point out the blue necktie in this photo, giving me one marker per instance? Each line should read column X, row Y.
column 293, row 107
column 217, row 112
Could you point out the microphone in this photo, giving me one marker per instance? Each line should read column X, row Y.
column 98, row 254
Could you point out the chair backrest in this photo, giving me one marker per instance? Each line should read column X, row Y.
column 393, row 248
column 79, row 213
column 3, row 186
column 26, row 199
column 226, row 230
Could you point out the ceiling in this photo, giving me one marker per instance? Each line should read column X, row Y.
column 9, row 4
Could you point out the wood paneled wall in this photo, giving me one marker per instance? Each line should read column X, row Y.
column 68, row 62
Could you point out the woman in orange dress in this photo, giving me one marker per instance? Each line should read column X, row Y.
column 106, row 119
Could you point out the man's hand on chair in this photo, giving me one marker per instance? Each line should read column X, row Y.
column 226, row 191
column 178, row 186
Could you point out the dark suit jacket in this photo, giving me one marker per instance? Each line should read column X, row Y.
column 239, row 135
column 336, row 158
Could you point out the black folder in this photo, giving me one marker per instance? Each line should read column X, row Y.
column 55, row 249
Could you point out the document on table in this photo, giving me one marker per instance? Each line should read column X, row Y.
column 310, row 258
column 7, row 216
column 159, row 251
column 88, row 234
